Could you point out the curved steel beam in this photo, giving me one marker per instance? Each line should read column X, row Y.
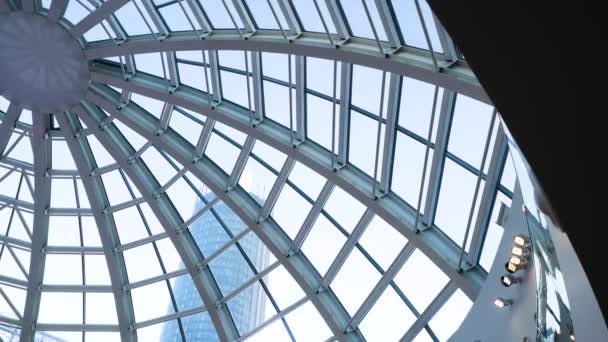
column 145, row 182
column 432, row 242
column 410, row 62
column 239, row 201
column 8, row 124
column 41, row 145
column 97, row 195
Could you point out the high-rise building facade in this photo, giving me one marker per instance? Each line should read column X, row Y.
column 231, row 269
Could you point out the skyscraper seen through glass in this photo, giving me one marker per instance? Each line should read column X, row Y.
column 234, row 267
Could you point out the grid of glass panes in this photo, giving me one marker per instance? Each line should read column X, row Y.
column 344, row 243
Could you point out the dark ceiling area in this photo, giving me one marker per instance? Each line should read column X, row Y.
column 540, row 63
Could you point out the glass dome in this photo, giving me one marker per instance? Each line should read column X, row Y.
column 280, row 170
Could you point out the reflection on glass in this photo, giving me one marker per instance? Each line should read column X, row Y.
column 553, row 318
column 247, row 309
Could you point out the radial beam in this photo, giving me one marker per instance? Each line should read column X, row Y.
column 347, row 248
column 8, row 124
column 413, row 63
column 98, row 199
column 145, row 182
column 312, row 217
column 486, row 203
column 432, row 242
column 381, row 286
column 41, row 145
column 57, row 9
column 441, row 147
column 430, row 311
column 101, row 13
column 241, row 203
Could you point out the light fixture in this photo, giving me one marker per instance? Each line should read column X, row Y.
column 515, row 260
column 520, row 240
column 572, row 338
column 508, row 280
column 512, row 268
column 501, row 302
column 518, row 251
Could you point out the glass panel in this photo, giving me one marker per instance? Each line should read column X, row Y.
column 420, row 280
column 319, row 114
column 469, row 130
column 408, row 168
column 382, row 242
column 100, row 308
column 455, row 200
column 306, row 324
column 411, row 26
column 64, row 269
column 290, row 211
column 362, row 145
column 60, row 307
column 416, row 107
column 359, row 22
column 310, row 17
column 450, row 316
column 388, row 319
column 344, row 208
column 355, row 281
column 145, row 308
column 323, row 244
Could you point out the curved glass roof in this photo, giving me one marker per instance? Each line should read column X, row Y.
column 272, row 170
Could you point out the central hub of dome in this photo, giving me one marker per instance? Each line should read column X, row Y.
column 42, row 67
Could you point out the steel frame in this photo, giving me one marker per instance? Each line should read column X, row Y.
column 409, row 62
column 431, row 241
column 146, row 183
column 96, row 192
column 454, row 76
column 42, row 146
column 241, row 203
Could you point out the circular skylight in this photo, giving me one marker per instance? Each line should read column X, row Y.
column 202, row 170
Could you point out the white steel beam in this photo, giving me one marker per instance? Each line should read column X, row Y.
column 216, row 82
column 300, row 128
column 8, row 124
column 413, row 63
column 277, row 187
column 57, row 10
column 41, row 146
column 343, row 123
column 241, row 161
column 447, row 44
column 347, row 248
column 244, row 16
column 106, row 226
column 388, row 22
column 382, row 284
column 203, row 139
column 158, row 22
column 429, row 312
column 243, row 205
column 258, row 88
column 438, row 247
column 335, row 12
column 441, row 147
column 392, row 114
column 102, row 12
column 311, row 218
column 290, row 17
column 117, row 145
column 486, row 204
